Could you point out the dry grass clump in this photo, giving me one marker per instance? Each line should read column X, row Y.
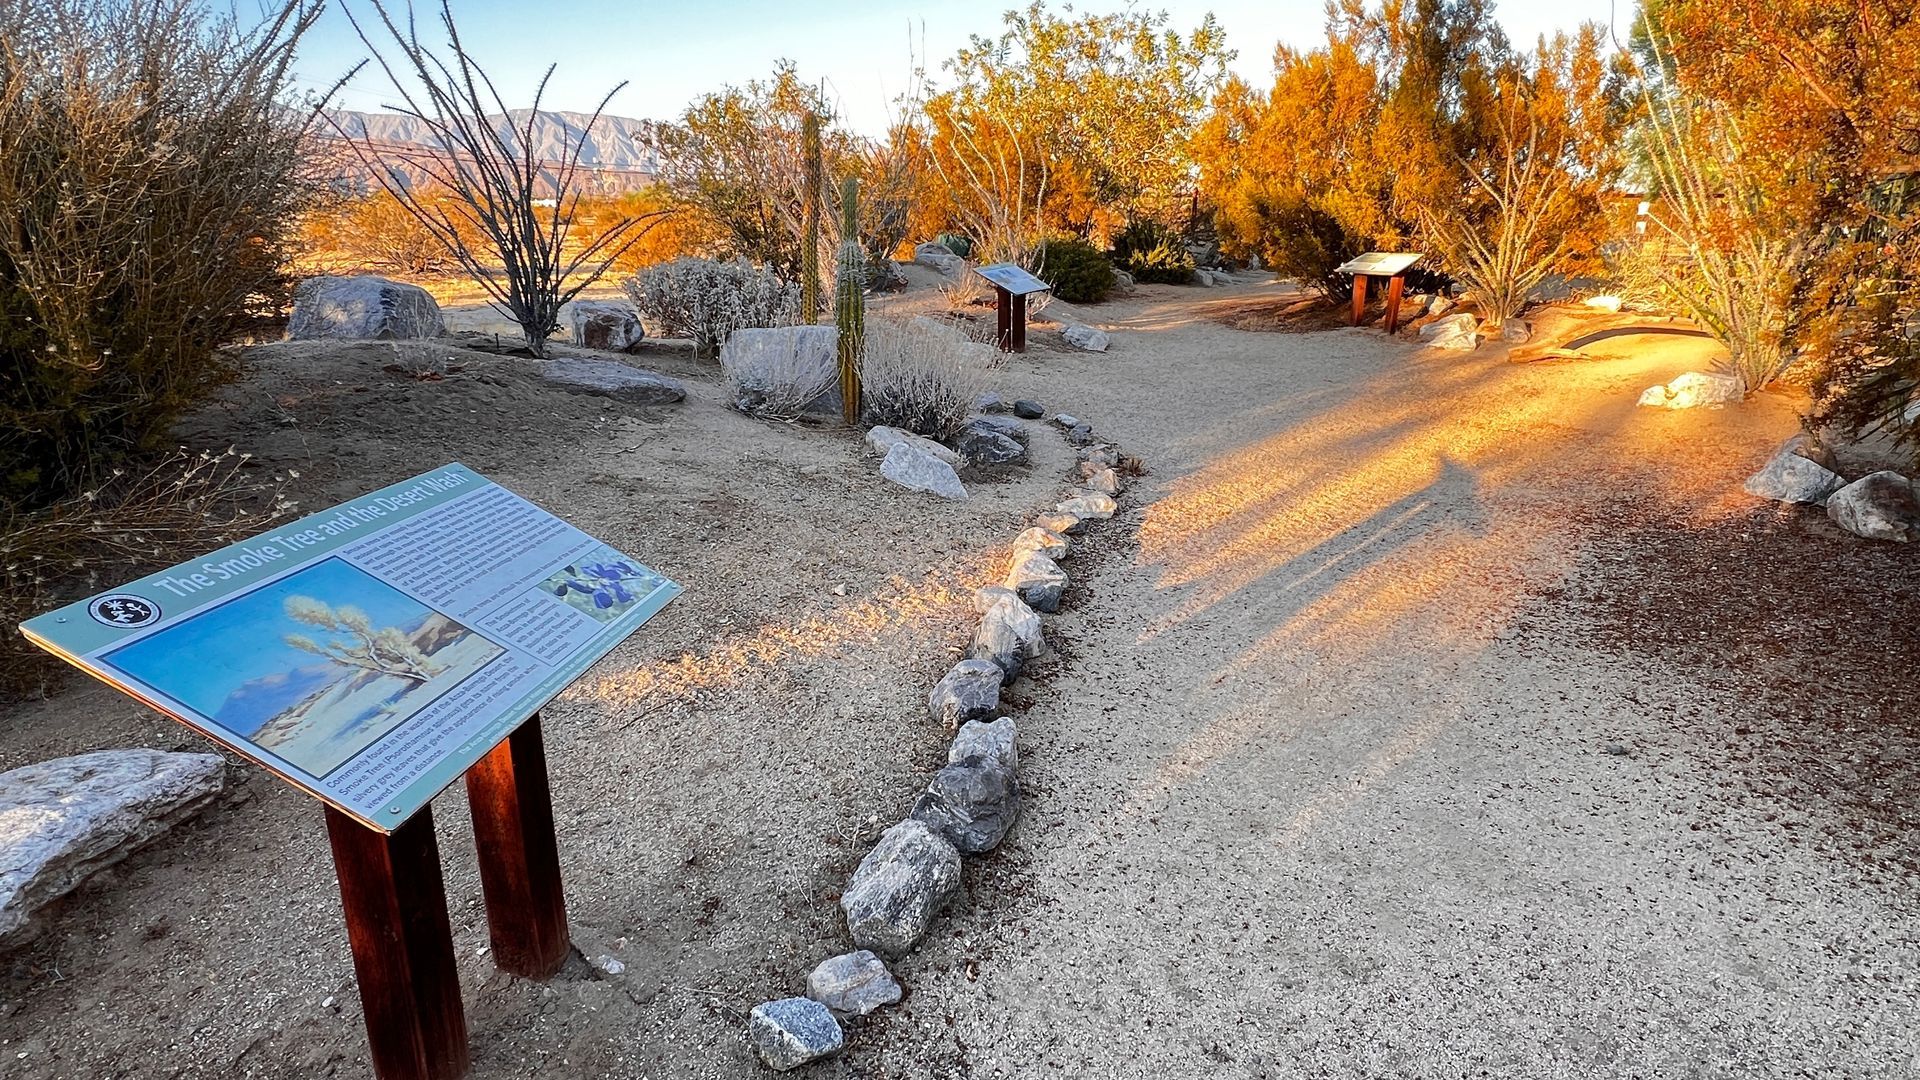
column 780, row 385
column 921, row 376
column 134, row 522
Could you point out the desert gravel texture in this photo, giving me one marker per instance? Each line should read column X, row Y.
column 1421, row 715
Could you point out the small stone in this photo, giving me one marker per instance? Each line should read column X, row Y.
column 1038, row 579
column 327, row 1002
column 1080, row 435
column 997, row 742
column 605, row 324
column 1102, row 455
column 969, row 691
column 853, row 984
column 1028, row 410
column 983, row 448
column 1516, row 332
column 1458, row 332
column 986, row 596
column 1066, row 420
column 1616, row 749
column 1085, row 338
column 839, row 590
column 1049, row 543
column 1064, row 524
column 1878, row 506
column 1089, row 507
column 991, row 403
column 1008, row 636
column 899, row 887
column 790, row 1032
column 612, row 379
column 972, row 802
column 608, row 964
column 1603, row 303
column 912, row 467
column 882, row 439
column 1105, row 481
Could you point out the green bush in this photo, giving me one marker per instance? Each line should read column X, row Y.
column 150, row 182
column 959, row 245
column 1077, row 270
column 1153, row 254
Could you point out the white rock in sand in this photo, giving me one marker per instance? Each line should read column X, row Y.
column 883, row 439
column 1085, row 337
column 1693, row 390
column 1458, row 332
column 1603, row 303
column 912, row 467
column 1792, row 475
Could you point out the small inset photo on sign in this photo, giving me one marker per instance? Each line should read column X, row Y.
column 312, row 668
column 603, row 583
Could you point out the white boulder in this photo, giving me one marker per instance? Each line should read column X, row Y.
column 362, row 308
column 912, row 467
column 605, row 324
column 1793, row 476
column 1879, row 506
column 1085, row 338
column 1695, row 389
column 1458, row 332
column 883, row 439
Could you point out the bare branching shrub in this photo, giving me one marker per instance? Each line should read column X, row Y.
column 1503, row 256
column 149, row 190
column 135, row 521
column 506, row 215
column 920, row 377
column 706, row 300
column 995, row 184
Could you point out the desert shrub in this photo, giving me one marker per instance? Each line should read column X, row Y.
column 706, row 300
column 373, row 232
column 1153, row 254
column 955, row 243
column 1077, row 270
column 924, row 378
column 150, row 187
column 134, row 521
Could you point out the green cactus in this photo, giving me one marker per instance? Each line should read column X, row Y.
column 810, row 218
column 849, row 306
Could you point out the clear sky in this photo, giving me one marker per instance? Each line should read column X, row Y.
column 670, row 53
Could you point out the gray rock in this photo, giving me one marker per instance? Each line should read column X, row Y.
column 362, row 308
column 991, row 402
column 1105, row 481
column 1458, row 332
column 1008, row 636
column 885, row 275
column 1046, row 541
column 1440, row 306
column 1063, row 523
column 1028, row 410
column 997, row 742
column 1123, row 281
column 1080, row 435
column 970, row 691
column 612, row 379
column 940, row 257
column 1038, row 579
column 605, row 324
column 1085, row 338
column 899, row 887
column 985, row 448
column 986, row 596
column 883, row 439
column 1010, row 426
column 790, row 1032
column 1066, row 421
column 1878, row 506
column 1516, row 332
column 853, row 984
column 767, row 362
column 1101, row 455
column 1089, row 507
column 972, row 802
column 912, row 467
column 1203, row 278
column 62, row 820
column 1793, row 477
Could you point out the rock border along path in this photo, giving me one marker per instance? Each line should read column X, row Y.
column 913, row 872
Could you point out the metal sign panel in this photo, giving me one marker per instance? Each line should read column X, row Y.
column 371, row 653
column 1012, row 278
column 1380, row 263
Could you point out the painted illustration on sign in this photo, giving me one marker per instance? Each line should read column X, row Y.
column 604, row 584
column 314, row 667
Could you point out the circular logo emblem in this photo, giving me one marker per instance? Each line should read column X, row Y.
column 124, row 611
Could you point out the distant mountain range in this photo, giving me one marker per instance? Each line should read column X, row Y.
column 620, row 154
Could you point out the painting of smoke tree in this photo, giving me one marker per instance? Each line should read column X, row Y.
column 605, row 584
column 312, row 668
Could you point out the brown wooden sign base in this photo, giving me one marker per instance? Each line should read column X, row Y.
column 396, row 909
column 1396, row 285
column 1012, row 320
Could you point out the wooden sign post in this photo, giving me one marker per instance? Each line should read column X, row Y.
column 1011, row 285
column 519, row 855
column 1393, row 266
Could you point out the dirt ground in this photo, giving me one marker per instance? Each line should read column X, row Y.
column 1422, row 715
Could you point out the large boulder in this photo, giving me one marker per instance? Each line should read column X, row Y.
column 1879, row 506
column 362, row 308
column 1008, row 636
column 1793, row 475
column 64, row 819
column 1458, row 332
column 1038, row 579
column 774, row 363
column 612, row 379
column 790, row 1032
column 605, row 324
column 969, row 691
column 1693, row 390
column 899, row 887
column 853, row 984
column 1086, row 338
column 997, row 742
column 912, row 467
column 972, row 803
column 883, row 439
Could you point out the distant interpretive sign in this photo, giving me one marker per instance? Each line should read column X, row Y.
column 1010, row 277
column 371, row 653
column 1379, row 263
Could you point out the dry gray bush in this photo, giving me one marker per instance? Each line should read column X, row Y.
column 921, row 377
column 706, row 300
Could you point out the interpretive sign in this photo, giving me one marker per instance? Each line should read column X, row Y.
column 1012, row 278
column 1379, row 263
column 369, row 654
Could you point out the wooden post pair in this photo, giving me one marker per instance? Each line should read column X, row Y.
column 1396, row 286
column 1012, row 311
column 396, row 909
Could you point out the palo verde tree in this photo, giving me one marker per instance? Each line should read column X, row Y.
column 504, row 213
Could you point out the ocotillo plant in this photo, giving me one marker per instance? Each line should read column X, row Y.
column 849, row 307
column 810, row 220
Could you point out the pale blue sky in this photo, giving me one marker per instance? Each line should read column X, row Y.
column 671, row 53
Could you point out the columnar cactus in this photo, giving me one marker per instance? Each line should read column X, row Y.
column 849, row 306
column 810, row 219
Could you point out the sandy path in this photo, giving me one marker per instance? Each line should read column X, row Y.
column 1351, row 775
